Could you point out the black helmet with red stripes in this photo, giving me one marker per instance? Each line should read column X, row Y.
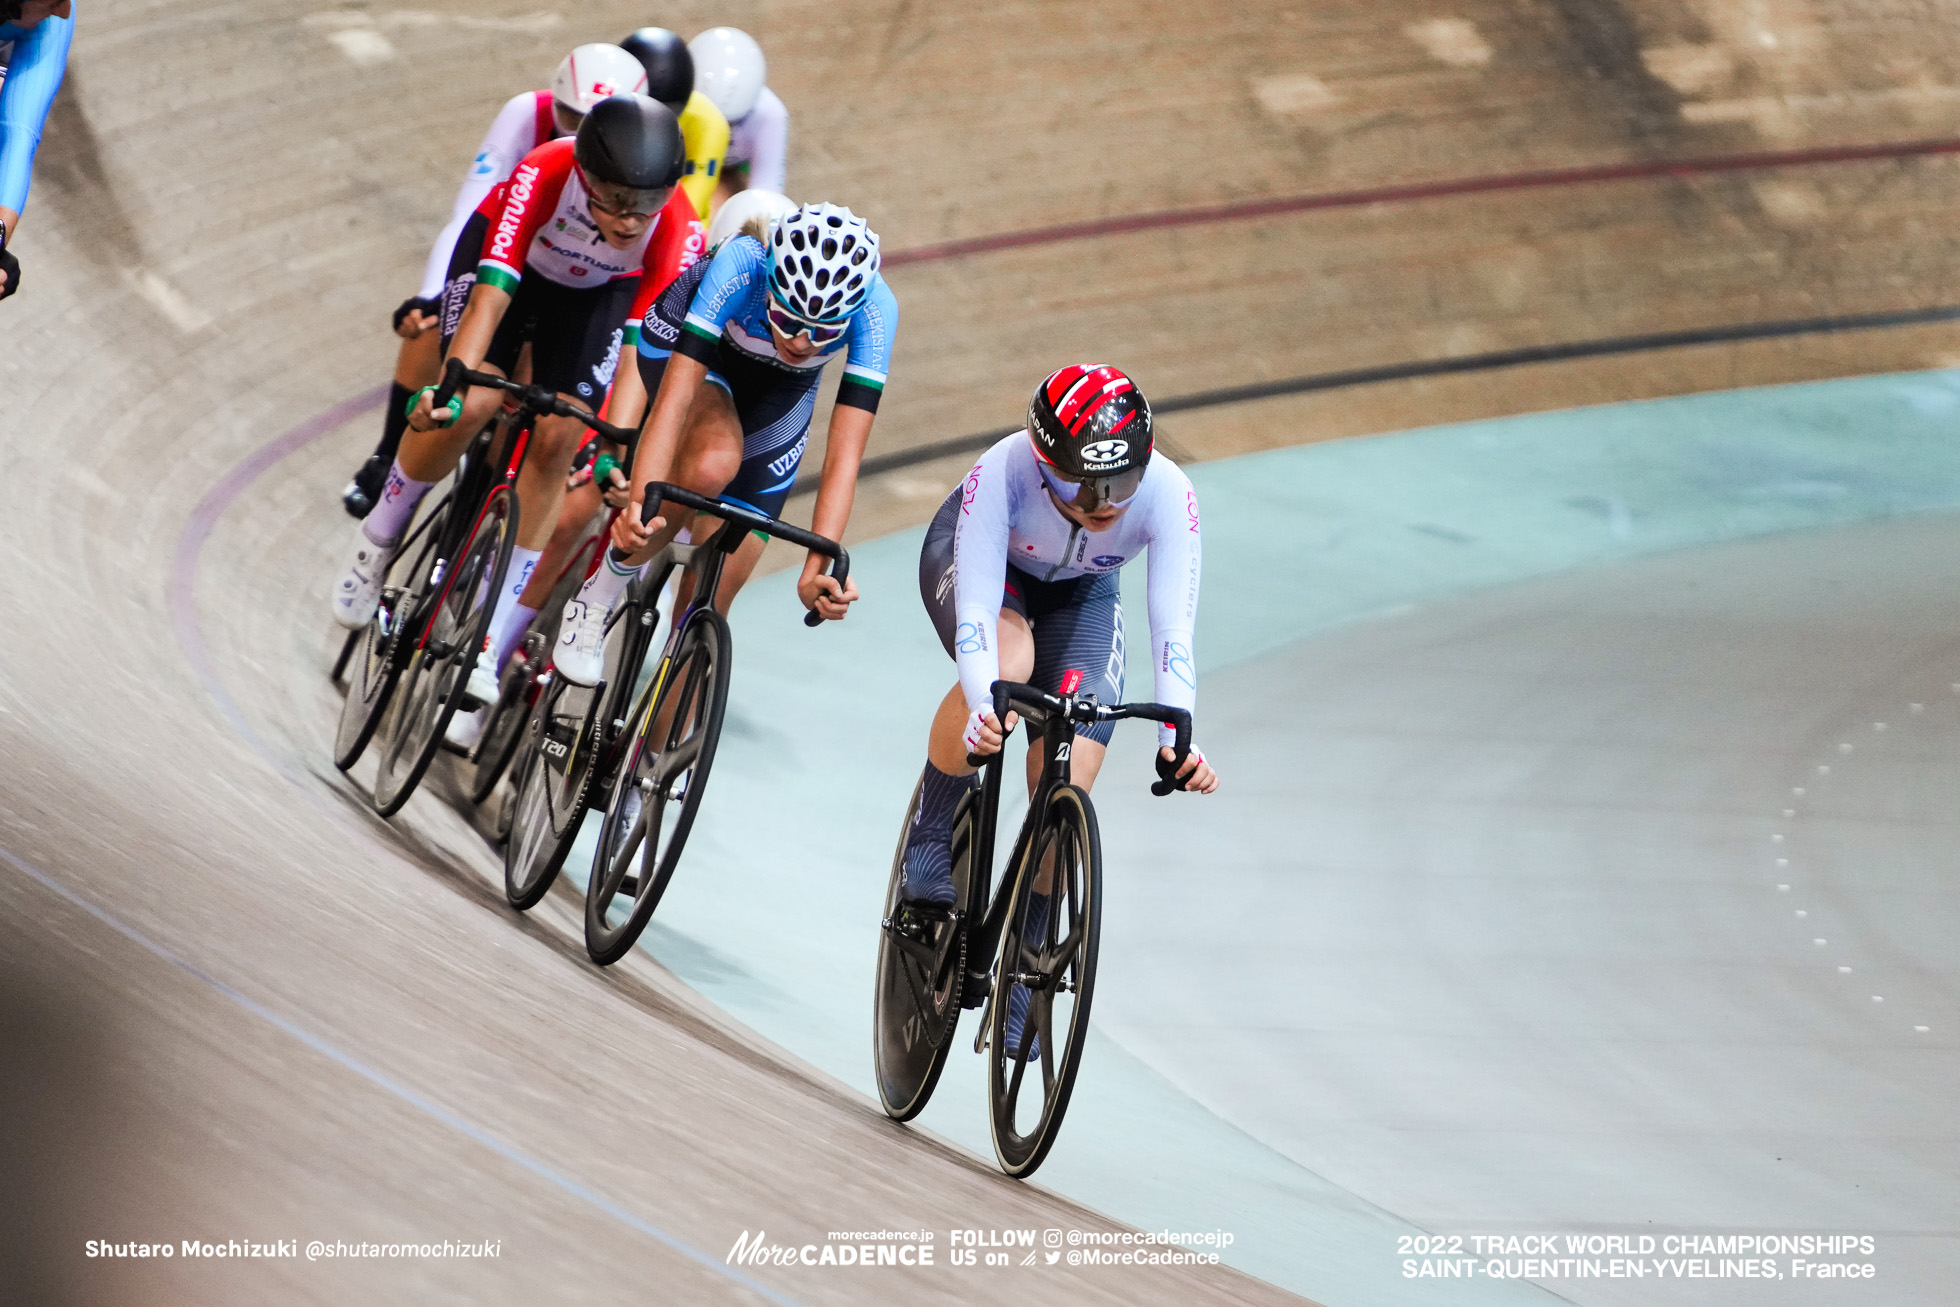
column 1090, row 420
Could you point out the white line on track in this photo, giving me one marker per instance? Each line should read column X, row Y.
column 335, row 1054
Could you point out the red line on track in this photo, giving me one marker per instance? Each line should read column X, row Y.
column 1518, row 181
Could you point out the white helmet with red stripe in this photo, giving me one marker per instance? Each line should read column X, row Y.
column 1090, row 420
column 593, row 72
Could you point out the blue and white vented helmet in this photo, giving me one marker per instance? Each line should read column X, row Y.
column 821, row 262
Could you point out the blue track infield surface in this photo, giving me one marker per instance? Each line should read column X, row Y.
column 774, row 914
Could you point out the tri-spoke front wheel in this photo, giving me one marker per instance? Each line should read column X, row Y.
column 1043, row 982
column 371, row 657
column 554, row 766
column 657, row 789
column 503, row 729
column 438, row 671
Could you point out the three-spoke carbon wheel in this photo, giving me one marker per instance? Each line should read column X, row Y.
column 921, row 974
column 371, row 658
column 437, row 672
column 502, row 732
column 657, row 789
column 1048, row 955
column 554, row 768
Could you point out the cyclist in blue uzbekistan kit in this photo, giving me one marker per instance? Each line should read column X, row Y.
column 732, row 353
column 34, row 40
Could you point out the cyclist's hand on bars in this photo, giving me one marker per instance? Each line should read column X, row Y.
column 1196, row 773
column 822, row 595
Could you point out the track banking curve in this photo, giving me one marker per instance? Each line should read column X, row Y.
column 1247, row 210
column 284, row 1018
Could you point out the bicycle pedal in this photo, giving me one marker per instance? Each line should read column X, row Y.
column 906, row 924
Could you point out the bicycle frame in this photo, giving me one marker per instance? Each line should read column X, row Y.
column 1057, row 747
column 641, row 599
column 499, row 431
column 609, row 715
column 1057, row 715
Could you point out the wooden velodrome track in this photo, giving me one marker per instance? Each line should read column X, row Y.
column 344, row 1035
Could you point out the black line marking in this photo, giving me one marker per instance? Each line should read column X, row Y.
column 1508, row 358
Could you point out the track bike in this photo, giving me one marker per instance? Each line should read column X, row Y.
column 639, row 753
column 408, row 669
column 1039, row 930
column 526, row 677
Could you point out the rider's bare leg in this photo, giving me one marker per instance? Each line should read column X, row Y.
column 575, row 523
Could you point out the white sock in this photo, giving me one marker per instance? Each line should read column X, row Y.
column 388, row 520
column 603, row 588
column 505, row 642
column 508, row 622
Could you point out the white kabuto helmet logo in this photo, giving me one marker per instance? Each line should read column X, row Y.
column 1105, row 451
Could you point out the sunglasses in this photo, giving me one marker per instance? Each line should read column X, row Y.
column 1092, row 493
column 792, row 326
column 627, row 205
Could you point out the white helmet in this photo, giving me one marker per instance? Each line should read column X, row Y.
column 822, row 260
column 728, row 69
column 593, row 72
column 743, row 206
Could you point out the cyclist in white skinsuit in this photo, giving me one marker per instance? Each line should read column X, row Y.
column 730, row 70
column 1019, row 573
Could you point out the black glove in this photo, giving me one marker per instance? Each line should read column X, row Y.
column 11, row 266
column 413, row 304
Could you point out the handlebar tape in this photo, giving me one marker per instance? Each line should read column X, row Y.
column 452, row 379
column 1168, row 778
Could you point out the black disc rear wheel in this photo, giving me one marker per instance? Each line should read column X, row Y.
column 921, row 973
column 1052, row 962
column 657, row 788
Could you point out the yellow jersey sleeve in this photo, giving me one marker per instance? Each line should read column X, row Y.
column 706, row 133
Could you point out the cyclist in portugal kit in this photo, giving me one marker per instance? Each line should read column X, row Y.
column 585, row 234
column 586, row 76
column 733, row 353
column 1019, row 574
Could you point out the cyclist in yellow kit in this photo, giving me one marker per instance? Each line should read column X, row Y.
column 670, row 80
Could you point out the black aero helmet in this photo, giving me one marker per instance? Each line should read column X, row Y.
column 670, row 68
column 631, row 141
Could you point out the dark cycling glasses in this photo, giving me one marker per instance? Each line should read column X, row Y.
column 1091, row 493
column 625, row 203
column 792, row 326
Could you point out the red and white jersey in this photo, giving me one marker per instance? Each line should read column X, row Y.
column 522, row 125
column 541, row 226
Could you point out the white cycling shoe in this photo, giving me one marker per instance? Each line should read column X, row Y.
column 581, row 653
column 464, row 730
column 466, row 726
column 359, row 591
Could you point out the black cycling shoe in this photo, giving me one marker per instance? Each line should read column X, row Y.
column 358, row 498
